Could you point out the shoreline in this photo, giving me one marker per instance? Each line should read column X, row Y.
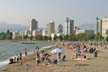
column 6, row 62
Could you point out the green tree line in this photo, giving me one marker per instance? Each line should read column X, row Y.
column 5, row 36
column 84, row 36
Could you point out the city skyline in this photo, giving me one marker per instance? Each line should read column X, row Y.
column 21, row 11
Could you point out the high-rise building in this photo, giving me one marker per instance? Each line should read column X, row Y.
column 51, row 28
column 102, row 26
column 33, row 25
column 99, row 26
column 69, row 26
column 60, row 28
column 44, row 32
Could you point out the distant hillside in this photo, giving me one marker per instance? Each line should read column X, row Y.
column 87, row 26
column 12, row 27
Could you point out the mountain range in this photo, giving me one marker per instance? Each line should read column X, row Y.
column 21, row 27
column 12, row 27
column 87, row 26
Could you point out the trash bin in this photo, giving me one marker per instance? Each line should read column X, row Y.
column 94, row 54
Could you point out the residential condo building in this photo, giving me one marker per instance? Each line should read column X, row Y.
column 51, row 28
column 60, row 28
column 69, row 26
column 33, row 25
column 102, row 26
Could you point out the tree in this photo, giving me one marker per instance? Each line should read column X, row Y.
column 70, row 38
column 55, row 37
column 9, row 36
column 66, row 37
column 25, row 37
column 3, row 36
column 44, row 38
column 49, row 38
column 38, row 37
column 60, row 37
column 85, row 36
column 30, row 37
column 99, row 37
column 73, row 38
column 107, row 38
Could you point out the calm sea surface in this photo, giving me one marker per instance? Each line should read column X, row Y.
column 8, row 48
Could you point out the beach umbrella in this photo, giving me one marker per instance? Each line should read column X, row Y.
column 57, row 50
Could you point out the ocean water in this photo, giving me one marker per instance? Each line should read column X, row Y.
column 9, row 48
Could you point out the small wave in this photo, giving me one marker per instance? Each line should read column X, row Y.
column 4, row 63
column 46, row 47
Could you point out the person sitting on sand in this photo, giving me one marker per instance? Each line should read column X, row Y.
column 42, row 57
column 46, row 56
column 37, row 59
column 82, row 52
column 11, row 61
column 47, row 60
column 64, row 58
column 15, row 59
column 77, row 51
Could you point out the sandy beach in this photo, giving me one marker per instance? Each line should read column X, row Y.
column 98, row 64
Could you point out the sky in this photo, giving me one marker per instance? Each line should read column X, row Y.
column 44, row 11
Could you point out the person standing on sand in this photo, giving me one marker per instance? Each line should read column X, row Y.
column 37, row 48
column 77, row 51
column 25, row 52
column 37, row 59
column 58, row 58
column 20, row 55
column 42, row 57
column 17, row 57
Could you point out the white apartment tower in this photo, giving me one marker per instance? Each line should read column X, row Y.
column 51, row 28
column 102, row 26
column 33, row 25
column 69, row 26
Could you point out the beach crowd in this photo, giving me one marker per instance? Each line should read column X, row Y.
column 42, row 57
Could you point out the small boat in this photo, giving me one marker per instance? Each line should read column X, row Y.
column 27, row 43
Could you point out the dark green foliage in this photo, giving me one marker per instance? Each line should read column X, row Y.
column 6, row 36
column 3, row 36
column 79, row 37
column 107, row 38
column 38, row 37
column 99, row 37
column 60, row 37
column 55, row 37
column 44, row 38
column 49, row 38
column 9, row 36
column 73, row 38
column 84, row 36
column 66, row 37
column 25, row 37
